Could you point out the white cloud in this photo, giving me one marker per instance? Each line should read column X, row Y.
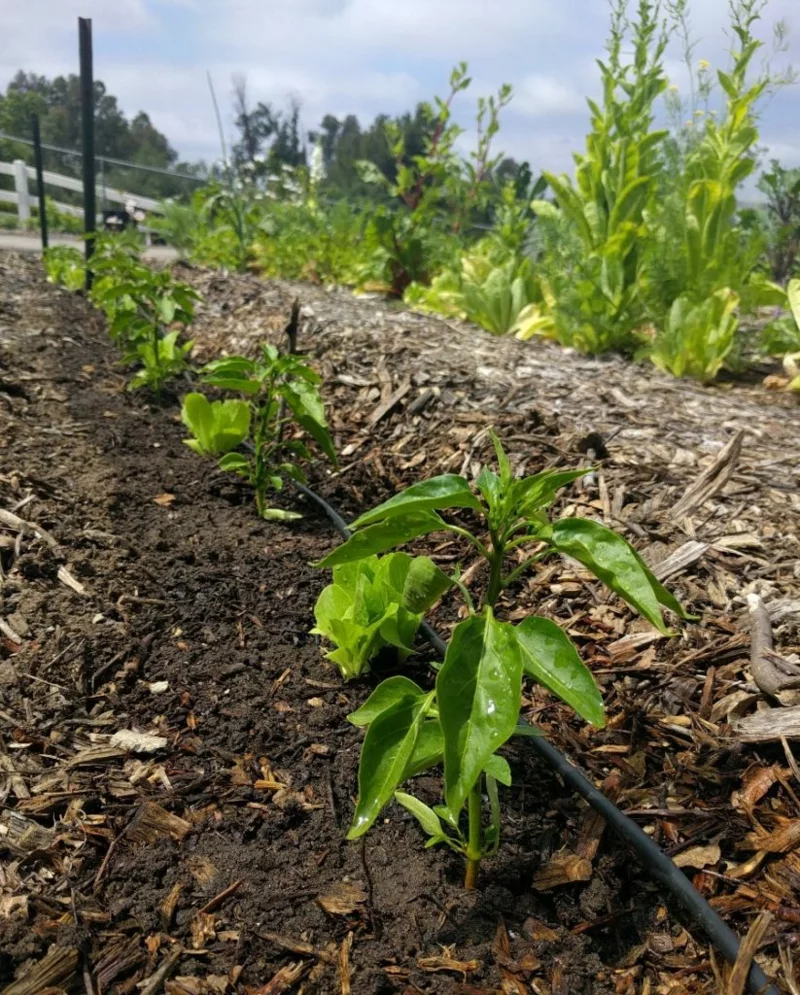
column 355, row 56
column 542, row 96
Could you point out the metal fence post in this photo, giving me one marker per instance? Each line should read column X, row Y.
column 21, row 186
column 37, row 158
column 87, row 122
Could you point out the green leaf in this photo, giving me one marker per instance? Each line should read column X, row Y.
column 539, row 490
column 479, row 694
column 502, row 460
column 549, row 657
column 387, row 748
column 446, row 491
column 234, row 462
column 428, row 749
column 383, row 536
column 425, row 583
column 612, row 560
column 424, row 815
column 385, row 695
column 497, row 767
column 279, row 515
column 218, row 426
column 793, row 294
column 490, row 486
column 165, row 308
column 309, row 413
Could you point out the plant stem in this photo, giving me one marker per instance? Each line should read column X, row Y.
column 496, row 576
column 474, row 841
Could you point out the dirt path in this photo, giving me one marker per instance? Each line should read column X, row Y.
column 217, row 853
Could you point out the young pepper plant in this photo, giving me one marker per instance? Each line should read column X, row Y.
column 280, row 389
column 143, row 308
column 475, row 705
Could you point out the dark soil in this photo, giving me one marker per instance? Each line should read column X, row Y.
column 194, row 625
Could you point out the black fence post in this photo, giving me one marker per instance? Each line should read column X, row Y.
column 37, row 159
column 87, row 122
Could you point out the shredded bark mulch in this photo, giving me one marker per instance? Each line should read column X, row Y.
column 176, row 771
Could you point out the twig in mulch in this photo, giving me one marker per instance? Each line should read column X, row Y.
column 771, row 672
column 55, row 971
column 225, row 894
column 344, row 964
column 281, row 982
column 374, row 918
column 162, row 972
column 747, row 952
column 331, row 797
column 107, row 859
column 712, row 480
column 295, row 946
column 77, row 646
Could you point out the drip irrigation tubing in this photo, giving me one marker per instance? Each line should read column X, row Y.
column 662, row 868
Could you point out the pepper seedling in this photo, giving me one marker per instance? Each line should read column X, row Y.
column 280, row 389
column 474, row 708
column 143, row 308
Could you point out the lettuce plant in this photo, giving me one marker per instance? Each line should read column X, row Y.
column 474, row 707
column 279, row 390
column 376, row 602
column 217, row 427
column 64, row 266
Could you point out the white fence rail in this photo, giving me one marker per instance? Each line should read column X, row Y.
column 21, row 196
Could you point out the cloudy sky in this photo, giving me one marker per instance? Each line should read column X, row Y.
column 363, row 57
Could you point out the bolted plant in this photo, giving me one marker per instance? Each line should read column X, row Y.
column 474, row 708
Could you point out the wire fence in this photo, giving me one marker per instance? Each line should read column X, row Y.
column 151, row 181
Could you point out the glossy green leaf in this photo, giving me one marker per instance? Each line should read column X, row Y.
column 479, row 693
column 446, row 491
column 383, row 536
column 423, row 813
column 387, row 748
column 539, row 490
column 612, row 560
column 549, row 657
column 385, row 695
column 497, row 767
column 425, row 583
column 428, row 750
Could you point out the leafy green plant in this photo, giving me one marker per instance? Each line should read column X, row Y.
column 704, row 253
column 217, row 426
column 430, row 195
column 782, row 188
column 697, row 337
column 597, row 304
column 475, row 705
column 162, row 358
column 64, row 266
column 280, row 390
column 142, row 307
column 376, row 602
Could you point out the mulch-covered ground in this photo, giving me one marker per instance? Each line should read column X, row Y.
column 176, row 771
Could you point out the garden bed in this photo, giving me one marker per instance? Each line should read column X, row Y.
column 151, row 599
